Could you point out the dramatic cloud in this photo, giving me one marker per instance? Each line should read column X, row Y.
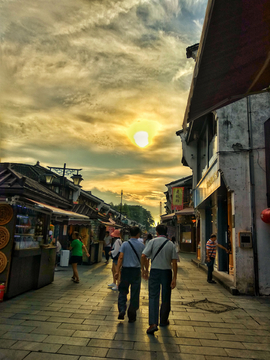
column 79, row 77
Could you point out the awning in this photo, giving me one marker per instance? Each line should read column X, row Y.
column 168, row 217
column 64, row 213
column 186, row 211
column 233, row 58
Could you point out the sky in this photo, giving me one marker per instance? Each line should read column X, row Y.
column 80, row 78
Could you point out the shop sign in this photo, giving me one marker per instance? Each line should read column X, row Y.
column 177, row 198
column 207, row 186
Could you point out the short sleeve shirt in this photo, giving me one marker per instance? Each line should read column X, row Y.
column 130, row 259
column 77, row 247
column 165, row 256
column 211, row 246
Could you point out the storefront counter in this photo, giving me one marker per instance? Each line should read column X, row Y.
column 30, row 269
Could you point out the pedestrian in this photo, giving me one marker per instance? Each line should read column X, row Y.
column 58, row 246
column 211, row 247
column 107, row 243
column 162, row 253
column 148, row 238
column 115, row 254
column 77, row 247
column 130, row 261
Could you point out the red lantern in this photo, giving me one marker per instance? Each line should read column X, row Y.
column 265, row 215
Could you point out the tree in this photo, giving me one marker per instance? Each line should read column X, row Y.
column 136, row 213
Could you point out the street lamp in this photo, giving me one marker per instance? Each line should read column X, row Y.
column 77, row 178
column 49, row 178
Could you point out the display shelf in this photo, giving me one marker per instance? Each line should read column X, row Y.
column 24, row 235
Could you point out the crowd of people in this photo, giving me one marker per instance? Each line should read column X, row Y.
column 132, row 260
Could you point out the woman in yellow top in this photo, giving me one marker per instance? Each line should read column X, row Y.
column 77, row 247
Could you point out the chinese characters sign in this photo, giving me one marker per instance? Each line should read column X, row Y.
column 177, row 198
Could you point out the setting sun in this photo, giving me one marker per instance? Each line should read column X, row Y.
column 141, row 138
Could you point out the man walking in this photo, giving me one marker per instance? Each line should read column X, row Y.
column 162, row 253
column 107, row 243
column 130, row 260
column 211, row 247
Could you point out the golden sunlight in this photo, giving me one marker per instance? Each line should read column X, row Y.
column 141, row 138
column 142, row 132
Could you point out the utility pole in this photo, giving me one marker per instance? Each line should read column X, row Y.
column 121, row 205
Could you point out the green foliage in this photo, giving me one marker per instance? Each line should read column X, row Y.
column 136, row 213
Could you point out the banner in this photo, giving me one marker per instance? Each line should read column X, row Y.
column 177, row 198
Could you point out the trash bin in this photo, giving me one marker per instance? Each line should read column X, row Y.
column 64, row 259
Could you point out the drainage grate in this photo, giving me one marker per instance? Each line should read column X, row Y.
column 210, row 306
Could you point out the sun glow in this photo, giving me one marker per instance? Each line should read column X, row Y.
column 142, row 132
column 141, row 138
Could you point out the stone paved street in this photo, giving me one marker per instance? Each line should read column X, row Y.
column 68, row 321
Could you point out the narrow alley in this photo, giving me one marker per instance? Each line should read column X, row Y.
column 68, row 321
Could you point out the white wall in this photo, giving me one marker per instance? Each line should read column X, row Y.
column 234, row 162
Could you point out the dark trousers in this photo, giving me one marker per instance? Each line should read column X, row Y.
column 129, row 277
column 210, row 266
column 164, row 278
column 107, row 249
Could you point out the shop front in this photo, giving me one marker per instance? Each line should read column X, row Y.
column 26, row 261
column 212, row 201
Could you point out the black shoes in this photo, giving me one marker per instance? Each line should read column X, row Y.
column 152, row 329
column 211, row 281
column 121, row 315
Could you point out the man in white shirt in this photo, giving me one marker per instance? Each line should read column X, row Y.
column 162, row 253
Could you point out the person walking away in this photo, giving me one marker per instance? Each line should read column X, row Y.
column 107, row 243
column 148, row 238
column 130, row 261
column 211, row 248
column 162, row 253
column 115, row 254
column 77, row 247
column 58, row 246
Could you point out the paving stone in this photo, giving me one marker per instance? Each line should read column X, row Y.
column 9, row 321
column 82, row 350
column 17, row 328
column 261, row 355
column 34, row 323
column 54, row 313
column 257, row 346
column 203, row 350
column 222, row 344
column 6, row 354
column 66, row 340
column 6, row 344
column 142, row 346
column 179, row 356
column 79, row 327
column 240, row 338
column 131, row 354
column 213, row 330
column 112, row 344
column 49, row 356
column 65, row 320
column 94, row 334
column 23, row 336
column 49, row 331
column 30, row 317
column 196, row 335
column 34, row 346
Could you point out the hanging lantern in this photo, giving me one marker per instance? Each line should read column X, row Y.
column 265, row 215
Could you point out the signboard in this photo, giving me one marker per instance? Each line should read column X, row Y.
column 210, row 183
column 177, row 198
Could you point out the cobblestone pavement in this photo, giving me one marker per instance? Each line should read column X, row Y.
column 68, row 321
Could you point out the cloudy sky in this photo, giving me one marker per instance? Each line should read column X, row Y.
column 80, row 78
